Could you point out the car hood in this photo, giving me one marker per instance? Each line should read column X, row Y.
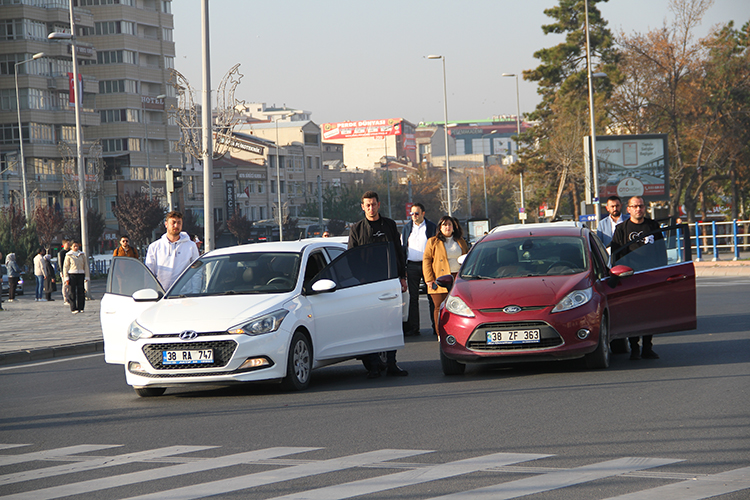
column 529, row 291
column 208, row 314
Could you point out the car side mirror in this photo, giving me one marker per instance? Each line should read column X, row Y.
column 146, row 295
column 622, row 271
column 445, row 281
column 323, row 286
column 461, row 258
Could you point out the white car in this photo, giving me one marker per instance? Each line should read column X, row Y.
column 264, row 311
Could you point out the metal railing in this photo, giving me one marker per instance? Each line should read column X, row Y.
column 713, row 238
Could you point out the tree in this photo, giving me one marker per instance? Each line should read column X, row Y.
column 138, row 216
column 239, row 226
column 49, row 223
column 95, row 226
column 16, row 236
column 190, row 223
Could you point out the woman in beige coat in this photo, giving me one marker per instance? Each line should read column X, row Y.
column 75, row 273
column 441, row 257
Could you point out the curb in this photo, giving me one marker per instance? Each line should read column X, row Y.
column 27, row 355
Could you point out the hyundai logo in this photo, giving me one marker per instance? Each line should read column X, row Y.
column 188, row 335
column 511, row 309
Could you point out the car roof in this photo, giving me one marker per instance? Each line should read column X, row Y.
column 278, row 246
column 565, row 228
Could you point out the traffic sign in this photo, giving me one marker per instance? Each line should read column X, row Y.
column 587, row 218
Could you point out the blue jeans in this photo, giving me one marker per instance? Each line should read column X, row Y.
column 39, row 286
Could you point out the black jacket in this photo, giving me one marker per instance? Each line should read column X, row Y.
column 406, row 232
column 361, row 234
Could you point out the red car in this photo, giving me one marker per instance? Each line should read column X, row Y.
column 545, row 292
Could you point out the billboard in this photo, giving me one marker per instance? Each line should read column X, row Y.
column 633, row 165
column 362, row 128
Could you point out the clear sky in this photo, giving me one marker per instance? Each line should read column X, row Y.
column 363, row 60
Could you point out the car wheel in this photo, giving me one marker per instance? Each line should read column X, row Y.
column 299, row 364
column 150, row 392
column 619, row 346
column 451, row 366
column 599, row 358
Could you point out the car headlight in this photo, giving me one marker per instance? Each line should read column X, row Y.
column 136, row 332
column 264, row 324
column 574, row 299
column 455, row 305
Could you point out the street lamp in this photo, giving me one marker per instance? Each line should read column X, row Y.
column 385, row 163
column 447, row 153
column 278, row 173
column 518, row 134
column 484, row 175
column 594, row 165
column 145, row 143
column 79, row 136
column 20, row 135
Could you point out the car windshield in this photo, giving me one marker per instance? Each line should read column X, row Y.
column 527, row 256
column 239, row 273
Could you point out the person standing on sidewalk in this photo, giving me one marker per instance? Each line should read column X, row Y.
column 171, row 254
column 414, row 238
column 60, row 262
column 125, row 250
column 76, row 273
column 14, row 274
column 39, row 274
column 49, row 278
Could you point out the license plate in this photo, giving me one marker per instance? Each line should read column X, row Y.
column 187, row 357
column 513, row 337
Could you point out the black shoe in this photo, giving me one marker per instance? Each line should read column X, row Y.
column 635, row 353
column 648, row 353
column 373, row 374
column 395, row 371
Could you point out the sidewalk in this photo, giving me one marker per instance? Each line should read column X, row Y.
column 31, row 331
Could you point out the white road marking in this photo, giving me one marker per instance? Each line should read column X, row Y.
column 9, row 446
column 411, row 477
column 57, row 452
column 51, row 361
column 560, row 479
column 696, row 489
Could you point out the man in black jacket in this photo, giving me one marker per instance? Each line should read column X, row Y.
column 414, row 238
column 375, row 228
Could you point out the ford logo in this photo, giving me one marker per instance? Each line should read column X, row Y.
column 511, row 309
column 188, row 335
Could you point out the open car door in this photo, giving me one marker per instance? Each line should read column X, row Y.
column 118, row 308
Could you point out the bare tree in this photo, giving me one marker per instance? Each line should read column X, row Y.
column 138, row 216
column 49, row 223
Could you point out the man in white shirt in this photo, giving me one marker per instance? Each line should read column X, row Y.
column 414, row 238
column 171, row 254
column 608, row 224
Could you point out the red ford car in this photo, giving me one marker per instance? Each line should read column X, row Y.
column 546, row 292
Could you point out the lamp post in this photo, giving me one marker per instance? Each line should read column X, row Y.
column 207, row 137
column 20, row 135
column 79, row 136
column 594, row 166
column 145, row 144
column 278, row 173
column 518, row 133
column 484, row 175
column 447, row 153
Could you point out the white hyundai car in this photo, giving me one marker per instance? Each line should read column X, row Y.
column 265, row 311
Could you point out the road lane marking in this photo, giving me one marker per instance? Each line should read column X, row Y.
column 51, row 361
column 4, row 446
column 559, row 479
column 57, row 452
column 697, row 488
column 412, row 477
column 279, row 475
column 99, row 463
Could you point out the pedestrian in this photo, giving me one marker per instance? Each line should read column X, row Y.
column 171, row 254
column 414, row 238
column 60, row 262
column 441, row 258
column 607, row 225
column 326, row 234
column 641, row 240
column 375, row 228
column 49, row 278
column 76, row 273
column 125, row 250
column 14, row 274
column 39, row 274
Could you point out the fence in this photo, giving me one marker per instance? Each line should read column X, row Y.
column 713, row 238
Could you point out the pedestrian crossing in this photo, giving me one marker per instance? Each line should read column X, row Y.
column 281, row 465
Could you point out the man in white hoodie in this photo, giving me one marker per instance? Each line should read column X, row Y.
column 171, row 254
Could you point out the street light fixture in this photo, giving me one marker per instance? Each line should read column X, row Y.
column 278, row 173
column 447, row 153
column 518, row 134
column 594, row 166
column 20, row 135
column 484, row 175
column 79, row 136
column 145, row 144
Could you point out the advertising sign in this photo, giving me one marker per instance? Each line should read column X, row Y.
column 633, row 165
column 231, row 202
column 363, row 128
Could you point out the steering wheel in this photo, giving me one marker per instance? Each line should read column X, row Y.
column 562, row 263
column 280, row 281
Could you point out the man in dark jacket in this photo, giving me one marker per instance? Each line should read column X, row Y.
column 414, row 238
column 375, row 228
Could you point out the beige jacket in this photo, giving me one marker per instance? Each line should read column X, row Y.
column 435, row 261
column 75, row 264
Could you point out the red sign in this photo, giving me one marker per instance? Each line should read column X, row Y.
column 408, row 210
column 363, row 128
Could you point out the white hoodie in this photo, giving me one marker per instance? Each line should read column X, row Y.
column 167, row 260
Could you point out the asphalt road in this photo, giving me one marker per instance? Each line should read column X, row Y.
column 673, row 428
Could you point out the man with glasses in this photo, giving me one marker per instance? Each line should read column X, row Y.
column 125, row 250
column 640, row 239
column 414, row 238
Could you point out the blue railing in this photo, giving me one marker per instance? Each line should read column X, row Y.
column 721, row 237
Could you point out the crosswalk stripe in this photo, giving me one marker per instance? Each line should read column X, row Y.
column 58, row 452
column 697, row 488
column 411, row 477
column 5, row 446
column 153, row 474
column 98, row 463
column 279, row 475
column 559, row 479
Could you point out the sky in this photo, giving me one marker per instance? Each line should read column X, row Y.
column 363, row 60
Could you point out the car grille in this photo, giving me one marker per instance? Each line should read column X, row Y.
column 223, row 351
column 549, row 337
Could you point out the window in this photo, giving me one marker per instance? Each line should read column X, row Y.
column 309, row 162
column 168, row 62
column 261, row 213
column 261, row 187
column 114, row 145
column 218, row 215
column 22, row 29
column 311, row 139
column 362, row 265
column 118, row 86
column 117, row 57
column 119, row 115
column 166, row 34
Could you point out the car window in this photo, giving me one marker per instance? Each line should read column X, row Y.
column 334, row 252
column 662, row 247
column 362, row 265
column 315, row 263
column 599, row 256
column 127, row 276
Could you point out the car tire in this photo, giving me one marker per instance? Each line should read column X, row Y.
column 619, row 346
column 149, row 392
column 599, row 358
column 451, row 366
column 298, row 364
